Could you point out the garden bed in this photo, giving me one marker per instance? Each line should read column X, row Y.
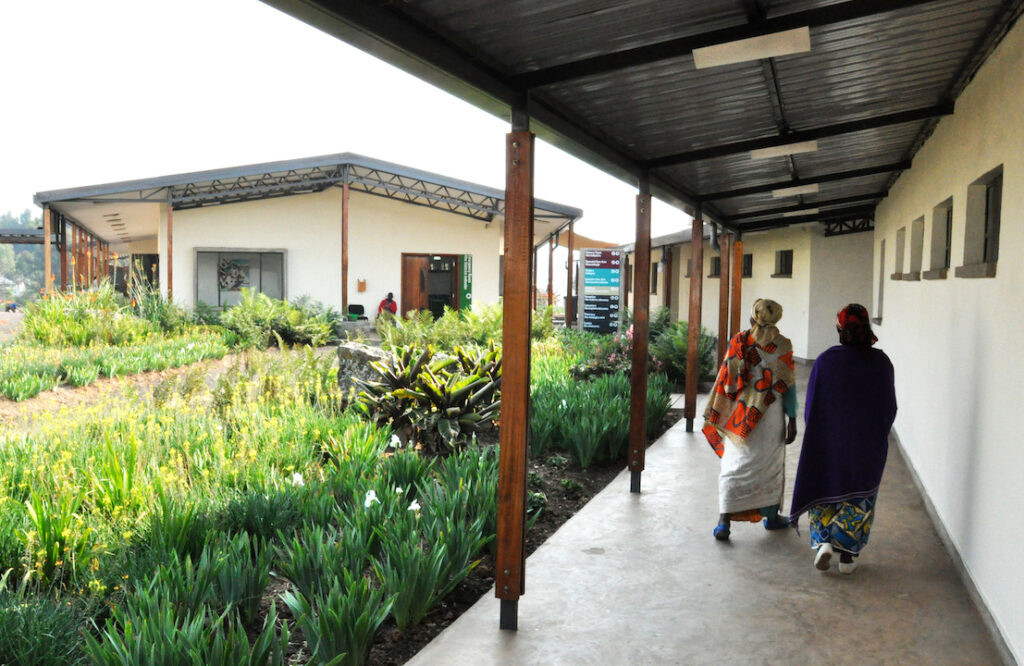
column 567, row 488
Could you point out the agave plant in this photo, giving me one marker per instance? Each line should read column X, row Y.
column 436, row 402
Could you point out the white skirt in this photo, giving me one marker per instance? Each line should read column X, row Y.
column 753, row 474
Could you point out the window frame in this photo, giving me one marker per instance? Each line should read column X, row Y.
column 941, row 253
column 714, row 266
column 983, row 222
column 236, row 250
column 748, row 266
column 783, row 264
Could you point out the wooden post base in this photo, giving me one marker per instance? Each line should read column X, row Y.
column 689, row 425
column 634, row 482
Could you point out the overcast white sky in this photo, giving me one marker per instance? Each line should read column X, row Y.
column 111, row 90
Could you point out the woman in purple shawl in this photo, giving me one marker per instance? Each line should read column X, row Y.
column 851, row 405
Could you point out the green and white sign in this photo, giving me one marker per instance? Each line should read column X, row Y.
column 465, row 281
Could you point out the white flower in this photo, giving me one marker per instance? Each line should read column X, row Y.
column 297, row 479
column 415, row 506
column 371, row 497
column 398, row 490
column 396, row 441
column 564, row 403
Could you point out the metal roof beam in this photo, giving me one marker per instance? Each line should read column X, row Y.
column 398, row 38
column 674, row 48
column 825, row 132
column 844, row 227
column 844, row 213
column 804, row 206
column 826, row 178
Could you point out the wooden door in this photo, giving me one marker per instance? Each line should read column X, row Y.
column 414, row 282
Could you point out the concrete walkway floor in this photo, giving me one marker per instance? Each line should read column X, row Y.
column 638, row 579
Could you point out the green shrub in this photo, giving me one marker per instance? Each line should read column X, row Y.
column 258, row 320
column 671, row 348
column 84, row 318
column 149, row 627
column 38, row 630
column 340, row 625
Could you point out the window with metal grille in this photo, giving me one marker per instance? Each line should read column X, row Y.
column 748, row 265
column 715, row 269
column 783, row 263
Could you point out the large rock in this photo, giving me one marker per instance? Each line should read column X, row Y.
column 354, row 360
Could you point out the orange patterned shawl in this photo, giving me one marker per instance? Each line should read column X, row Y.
column 751, row 378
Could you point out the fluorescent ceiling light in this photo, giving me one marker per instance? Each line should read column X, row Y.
column 793, row 191
column 776, row 44
column 788, row 149
column 797, row 213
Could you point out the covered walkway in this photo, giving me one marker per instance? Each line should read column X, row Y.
column 638, row 579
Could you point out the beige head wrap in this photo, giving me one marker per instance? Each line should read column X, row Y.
column 763, row 317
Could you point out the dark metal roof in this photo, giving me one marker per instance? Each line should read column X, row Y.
column 21, row 236
column 312, row 174
column 614, row 82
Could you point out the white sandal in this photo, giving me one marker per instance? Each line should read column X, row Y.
column 847, row 567
column 824, row 557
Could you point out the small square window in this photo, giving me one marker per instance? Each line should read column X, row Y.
column 748, row 265
column 783, row 263
column 715, row 270
column 916, row 249
column 981, row 232
column 901, row 251
column 942, row 241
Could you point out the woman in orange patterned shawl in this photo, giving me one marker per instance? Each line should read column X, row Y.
column 745, row 424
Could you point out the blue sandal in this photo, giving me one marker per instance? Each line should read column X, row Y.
column 721, row 532
column 776, row 522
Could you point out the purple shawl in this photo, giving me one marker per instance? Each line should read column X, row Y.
column 851, row 405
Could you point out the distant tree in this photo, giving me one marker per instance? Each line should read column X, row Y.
column 22, row 263
column 6, row 260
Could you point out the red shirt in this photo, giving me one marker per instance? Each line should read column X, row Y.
column 390, row 306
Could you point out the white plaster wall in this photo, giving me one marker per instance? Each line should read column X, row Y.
column 791, row 292
column 953, row 341
column 380, row 230
column 840, row 274
column 308, row 228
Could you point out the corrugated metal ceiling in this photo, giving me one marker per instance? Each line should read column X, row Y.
column 624, row 90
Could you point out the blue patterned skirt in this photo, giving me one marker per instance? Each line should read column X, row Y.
column 845, row 525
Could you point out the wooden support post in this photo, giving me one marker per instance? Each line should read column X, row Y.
column 570, row 313
column 47, row 246
column 515, row 390
column 76, row 256
column 170, row 252
column 63, row 238
column 344, row 248
column 737, row 286
column 667, row 279
column 533, row 279
column 551, row 275
column 641, row 327
column 693, row 331
column 725, row 252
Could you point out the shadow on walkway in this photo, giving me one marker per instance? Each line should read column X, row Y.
column 638, row 579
